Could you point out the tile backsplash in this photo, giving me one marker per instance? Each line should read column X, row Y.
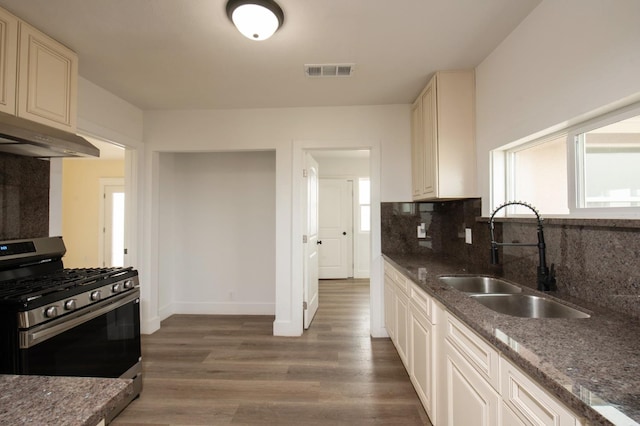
column 445, row 223
column 595, row 260
column 24, row 197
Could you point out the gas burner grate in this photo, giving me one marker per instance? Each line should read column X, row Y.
column 32, row 288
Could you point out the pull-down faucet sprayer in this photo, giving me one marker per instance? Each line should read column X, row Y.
column 546, row 278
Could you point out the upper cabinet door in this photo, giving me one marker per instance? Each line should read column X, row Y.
column 47, row 80
column 8, row 61
column 429, row 142
column 443, row 137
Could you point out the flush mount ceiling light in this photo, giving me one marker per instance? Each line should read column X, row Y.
column 255, row 19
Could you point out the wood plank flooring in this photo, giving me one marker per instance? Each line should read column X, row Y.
column 231, row 370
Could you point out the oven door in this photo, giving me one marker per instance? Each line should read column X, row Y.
column 101, row 341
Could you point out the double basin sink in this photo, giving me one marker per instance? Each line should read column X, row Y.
column 507, row 298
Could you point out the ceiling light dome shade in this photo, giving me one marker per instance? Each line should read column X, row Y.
column 255, row 19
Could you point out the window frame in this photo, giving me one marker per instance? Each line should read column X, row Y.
column 502, row 166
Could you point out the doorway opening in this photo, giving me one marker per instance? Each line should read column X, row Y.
column 343, row 241
column 85, row 184
column 111, row 222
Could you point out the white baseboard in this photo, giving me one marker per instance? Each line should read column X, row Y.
column 286, row 328
column 150, row 326
column 214, row 308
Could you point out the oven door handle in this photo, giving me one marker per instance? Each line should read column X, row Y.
column 39, row 334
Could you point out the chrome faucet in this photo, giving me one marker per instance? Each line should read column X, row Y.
column 546, row 278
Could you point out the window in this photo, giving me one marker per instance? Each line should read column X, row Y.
column 589, row 170
column 539, row 176
column 364, row 201
column 608, row 159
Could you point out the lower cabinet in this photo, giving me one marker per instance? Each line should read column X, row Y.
column 470, row 399
column 389, row 307
column 526, row 403
column 460, row 378
column 422, row 356
column 402, row 331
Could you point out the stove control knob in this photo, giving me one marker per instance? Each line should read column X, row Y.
column 117, row 288
column 128, row 284
column 51, row 312
column 70, row 304
column 96, row 295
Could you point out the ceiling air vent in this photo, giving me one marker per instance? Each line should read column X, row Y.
column 329, row 70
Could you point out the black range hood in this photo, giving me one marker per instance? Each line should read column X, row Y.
column 25, row 137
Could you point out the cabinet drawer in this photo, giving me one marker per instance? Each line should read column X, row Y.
column 482, row 357
column 402, row 283
column 398, row 278
column 532, row 404
column 423, row 302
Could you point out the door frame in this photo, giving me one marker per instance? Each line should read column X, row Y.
column 376, row 289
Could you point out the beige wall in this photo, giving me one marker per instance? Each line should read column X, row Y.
column 80, row 207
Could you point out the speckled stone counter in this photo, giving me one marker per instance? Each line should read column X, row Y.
column 59, row 401
column 592, row 364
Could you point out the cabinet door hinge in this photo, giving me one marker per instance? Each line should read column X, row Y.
column 304, row 305
column 305, row 239
column 304, row 173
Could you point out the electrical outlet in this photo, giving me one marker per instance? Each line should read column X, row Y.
column 422, row 231
column 467, row 236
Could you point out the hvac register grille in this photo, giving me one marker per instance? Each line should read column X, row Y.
column 329, row 70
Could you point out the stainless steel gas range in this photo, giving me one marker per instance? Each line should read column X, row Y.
column 67, row 322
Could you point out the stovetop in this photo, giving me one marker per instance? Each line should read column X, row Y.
column 33, row 277
column 64, row 283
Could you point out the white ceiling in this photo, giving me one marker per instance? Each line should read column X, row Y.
column 185, row 54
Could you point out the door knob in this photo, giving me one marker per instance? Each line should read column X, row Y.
column 319, row 242
column 344, row 233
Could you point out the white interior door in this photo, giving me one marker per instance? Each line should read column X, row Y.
column 310, row 232
column 112, row 226
column 336, row 228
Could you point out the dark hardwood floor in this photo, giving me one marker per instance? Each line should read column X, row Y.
column 219, row 370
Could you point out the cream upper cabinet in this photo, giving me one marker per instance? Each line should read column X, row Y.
column 417, row 162
column 8, row 61
column 47, row 80
column 443, row 137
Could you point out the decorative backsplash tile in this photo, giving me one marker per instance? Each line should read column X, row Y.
column 597, row 264
column 24, row 197
column 595, row 260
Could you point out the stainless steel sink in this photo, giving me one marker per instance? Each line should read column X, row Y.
column 528, row 306
column 478, row 284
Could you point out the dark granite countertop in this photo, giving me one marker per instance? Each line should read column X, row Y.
column 59, row 401
column 592, row 364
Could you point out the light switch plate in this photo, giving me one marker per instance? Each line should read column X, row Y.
column 467, row 236
column 422, row 231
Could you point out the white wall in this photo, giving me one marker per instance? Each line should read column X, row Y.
column 384, row 129
column 217, row 233
column 168, row 223
column 114, row 118
column 108, row 117
column 565, row 62
column 341, row 166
